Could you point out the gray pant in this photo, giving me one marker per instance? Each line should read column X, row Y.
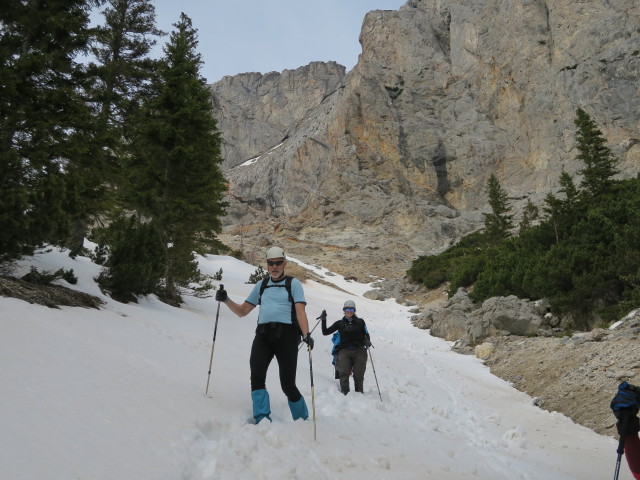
column 355, row 358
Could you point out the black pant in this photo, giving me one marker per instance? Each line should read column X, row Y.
column 279, row 340
column 349, row 358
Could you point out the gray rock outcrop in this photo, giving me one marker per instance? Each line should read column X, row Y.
column 256, row 112
column 469, row 324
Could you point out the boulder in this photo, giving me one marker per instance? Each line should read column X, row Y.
column 461, row 319
column 484, row 350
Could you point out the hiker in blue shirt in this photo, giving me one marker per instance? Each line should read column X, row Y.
column 352, row 347
column 281, row 321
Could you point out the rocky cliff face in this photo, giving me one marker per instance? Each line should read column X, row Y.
column 255, row 112
column 364, row 171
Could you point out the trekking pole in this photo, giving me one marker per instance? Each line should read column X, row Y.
column 313, row 396
column 213, row 344
column 620, row 452
column 374, row 373
column 323, row 314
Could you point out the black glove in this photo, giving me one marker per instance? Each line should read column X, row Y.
column 367, row 343
column 221, row 294
column 308, row 340
column 628, row 424
column 625, row 406
column 323, row 314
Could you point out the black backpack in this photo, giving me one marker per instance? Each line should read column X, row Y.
column 287, row 285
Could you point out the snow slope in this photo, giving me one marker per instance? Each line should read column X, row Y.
column 119, row 394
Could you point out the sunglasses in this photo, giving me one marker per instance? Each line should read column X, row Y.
column 277, row 263
column 349, row 309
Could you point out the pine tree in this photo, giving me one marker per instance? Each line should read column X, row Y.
column 571, row 193
column 599, row 162
column 498, row 223
column 175, row 174
column 120, row 77
column 529, row 216
column 136, row 260
column 45, row 123
column 124, row 69
column 561, row 213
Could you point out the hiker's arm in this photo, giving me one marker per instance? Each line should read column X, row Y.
column 632, row 453
column 331, row 329
column 303, row 322
column 367, row 337
column 240, row 310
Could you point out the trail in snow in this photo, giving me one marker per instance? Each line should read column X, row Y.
column 119, row 393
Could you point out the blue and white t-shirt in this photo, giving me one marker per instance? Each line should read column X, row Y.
column 275, row 306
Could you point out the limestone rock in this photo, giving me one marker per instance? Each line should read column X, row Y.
column 484, row 350
column 461, row 319
column 390, row 161
column 255, row 112
column 375, row 294
column 596, row 335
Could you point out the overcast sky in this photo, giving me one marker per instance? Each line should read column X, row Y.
column 238, row 36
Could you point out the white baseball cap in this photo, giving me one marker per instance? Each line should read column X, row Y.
column 275, row 252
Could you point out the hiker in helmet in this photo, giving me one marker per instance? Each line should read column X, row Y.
column 281, row 321
column 352, row 349
column 625, row 405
